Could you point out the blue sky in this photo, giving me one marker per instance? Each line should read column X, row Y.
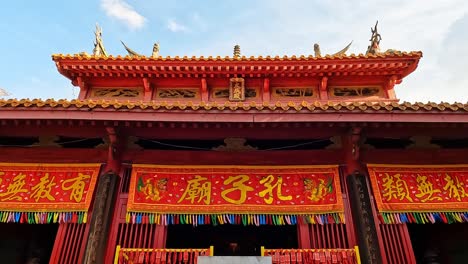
column 34, row 30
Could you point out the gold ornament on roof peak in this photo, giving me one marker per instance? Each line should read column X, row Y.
column 237, row 51
column 375, row 39
column 318, row 53
column 99, row 49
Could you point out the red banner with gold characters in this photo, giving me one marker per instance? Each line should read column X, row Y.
column 420, row 193
column 46, row 193
column 234, row 194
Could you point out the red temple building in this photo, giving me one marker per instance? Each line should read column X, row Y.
column 307, row 159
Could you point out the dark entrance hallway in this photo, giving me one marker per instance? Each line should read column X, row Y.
column 232, row 240
column 26, row 243
column 439, row 243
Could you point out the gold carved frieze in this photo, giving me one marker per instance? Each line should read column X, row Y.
column 294, row 92
column 177, row 93
column 356, row 91
column 236, row 89
column 116, row 93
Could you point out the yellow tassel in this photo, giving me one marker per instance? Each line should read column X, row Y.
column 312, row 219
column 127, row 218
column 85, row 217
column 56, row 217
column 457, row 217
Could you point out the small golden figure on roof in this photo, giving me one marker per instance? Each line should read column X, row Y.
column 155, row 52
column 375, row 39
column 237, row 51
column 99, row 49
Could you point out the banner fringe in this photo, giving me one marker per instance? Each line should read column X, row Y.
column 233, row 219
column 43, row 217
column 424, row 217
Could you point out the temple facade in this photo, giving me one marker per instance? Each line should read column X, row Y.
column 307, row 159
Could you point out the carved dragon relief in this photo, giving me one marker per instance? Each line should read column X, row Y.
column 154, row 54
column 318, row 53
column 294, row 92
column 177, row 93
column 355, row 91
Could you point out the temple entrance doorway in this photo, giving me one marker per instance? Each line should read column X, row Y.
column 27, row 243
column 232, row 240
column 439, row 243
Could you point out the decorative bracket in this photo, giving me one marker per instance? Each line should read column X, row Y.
column 323, row 88
column 391, row 82
column 266, row 90
column 147, row 87
column 204, row 90
column 83, row 88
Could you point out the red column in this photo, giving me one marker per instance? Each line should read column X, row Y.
column 303, row 235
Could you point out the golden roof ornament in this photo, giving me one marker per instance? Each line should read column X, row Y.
column 375, row 39
column 130, row 51
column 99, row 49
column 237, row 51
column 318, row 53
column 155, row 52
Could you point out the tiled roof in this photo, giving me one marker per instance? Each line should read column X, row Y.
column 316, row 107
column 389, row 54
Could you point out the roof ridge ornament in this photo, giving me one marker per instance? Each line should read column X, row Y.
column 374, row 47
column 99, row 49
column 154, row 53
column 237, row 51
column 318, row 53
column 129, row 50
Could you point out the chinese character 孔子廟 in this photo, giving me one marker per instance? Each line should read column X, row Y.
column 238, row 184
column 200, row 188
column 269, row 186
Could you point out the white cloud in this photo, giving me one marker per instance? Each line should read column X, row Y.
column 124, row 12
column 173, row 26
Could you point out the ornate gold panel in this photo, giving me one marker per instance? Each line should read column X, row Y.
column 294, row 92
column 236, row 89
column 114, row 93
column 177, row 93
column 356, row 91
